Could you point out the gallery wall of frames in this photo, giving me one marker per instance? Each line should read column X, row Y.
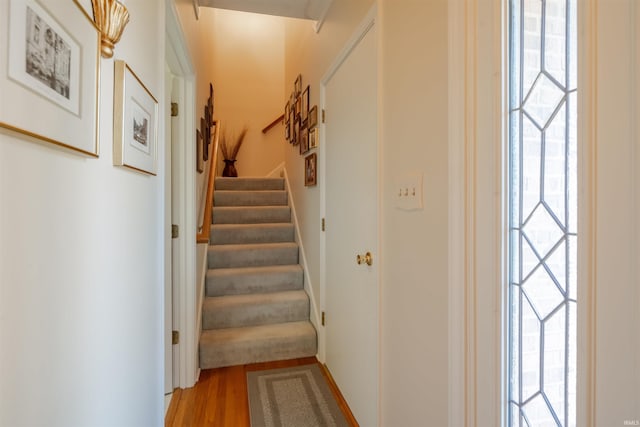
column 301, row 129
column 51, row 60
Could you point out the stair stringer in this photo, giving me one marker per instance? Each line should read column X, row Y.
column 314, row 309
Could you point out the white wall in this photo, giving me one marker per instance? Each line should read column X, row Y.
column 81, row 274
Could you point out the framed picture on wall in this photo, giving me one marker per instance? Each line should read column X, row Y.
column 296, row 133
column 199, row 150
column 298, row 86
column 304, row 107
column 286, row 113
column 135, row 122
column 205, row 141
column 313, row 117
column 50, row 61
column 314, row 136
column 310, row 170
column 304, row 140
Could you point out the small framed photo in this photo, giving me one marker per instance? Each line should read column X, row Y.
column 199, row 150
column 286, row 113
column 50, row 61
column 304, row 141
column 310, row 170
column 304, row 107
column 296, row 133
column 287, row 131
column 299, row 108
column 210, row 105
column 314, row 137
column 204, row 130
column 298, row 86
column 313, row 117
column 135, row 123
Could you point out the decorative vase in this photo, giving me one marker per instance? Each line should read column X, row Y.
column 229, row 168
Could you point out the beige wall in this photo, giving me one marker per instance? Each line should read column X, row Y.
column 248, row 76
column 414, row 281
column 242, row 54
column 198, row 35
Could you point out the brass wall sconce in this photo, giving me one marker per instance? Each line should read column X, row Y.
column 111, row 17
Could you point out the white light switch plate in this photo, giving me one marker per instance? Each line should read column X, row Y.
column 408, row 191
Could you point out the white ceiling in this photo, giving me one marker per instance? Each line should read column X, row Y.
column 304, row 9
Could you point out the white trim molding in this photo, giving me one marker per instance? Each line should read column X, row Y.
column 587, row 208
column 476, row 252
column 185, row 290
column 476, row 230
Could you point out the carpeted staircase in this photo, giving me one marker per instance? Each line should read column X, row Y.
column 255, row 309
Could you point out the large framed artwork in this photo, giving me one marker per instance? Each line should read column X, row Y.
column 135, row 122
column 49, row 61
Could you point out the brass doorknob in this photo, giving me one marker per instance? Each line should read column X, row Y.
column 366, row 258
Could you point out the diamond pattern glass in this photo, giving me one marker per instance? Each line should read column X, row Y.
column 543, row 153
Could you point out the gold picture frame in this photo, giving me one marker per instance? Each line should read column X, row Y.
column 50, row 62
column 135, row 122
column 311, row 170
column 314, row 138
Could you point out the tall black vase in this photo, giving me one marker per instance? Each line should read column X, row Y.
column 229, row 168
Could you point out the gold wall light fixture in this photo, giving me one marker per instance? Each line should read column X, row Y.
column 111, row 16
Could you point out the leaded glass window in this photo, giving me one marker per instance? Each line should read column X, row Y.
column 542, row 213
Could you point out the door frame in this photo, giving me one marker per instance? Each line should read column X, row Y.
column 477, row 360
column 182, row 294
column 370, row 19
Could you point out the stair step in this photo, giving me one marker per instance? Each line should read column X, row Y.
column 249, row 183
column 225, row 234
column 253, row 344
column 236, row 311
column 252, row 255
column 251, row 214
column 238, row 281
column 250, row 198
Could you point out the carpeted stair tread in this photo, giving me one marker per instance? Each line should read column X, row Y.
column 237, row 184
column 253, row 344
column 224, row 234
column 251, row 214
column 255, row 309
column 252, row 255
column 250, row 198
column 236, row 281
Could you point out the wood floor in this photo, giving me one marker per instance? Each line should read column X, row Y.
column 220, row 396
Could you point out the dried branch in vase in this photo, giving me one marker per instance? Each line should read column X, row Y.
column 230, row 146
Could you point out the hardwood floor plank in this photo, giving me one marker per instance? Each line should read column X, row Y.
column 173, row 407
column 220, row 398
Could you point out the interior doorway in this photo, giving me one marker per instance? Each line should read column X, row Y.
column 351, row 282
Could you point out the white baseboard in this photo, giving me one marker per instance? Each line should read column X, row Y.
column 308, row 286
column 278, row 172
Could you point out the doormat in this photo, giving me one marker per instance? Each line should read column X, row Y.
column 292, row 397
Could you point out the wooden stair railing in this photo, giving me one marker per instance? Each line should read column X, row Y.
column 273, row 123
column 205, row 228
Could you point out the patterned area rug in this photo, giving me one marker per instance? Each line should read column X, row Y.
column 292, row 397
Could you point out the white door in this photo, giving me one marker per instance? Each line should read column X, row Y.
column 351, row 205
